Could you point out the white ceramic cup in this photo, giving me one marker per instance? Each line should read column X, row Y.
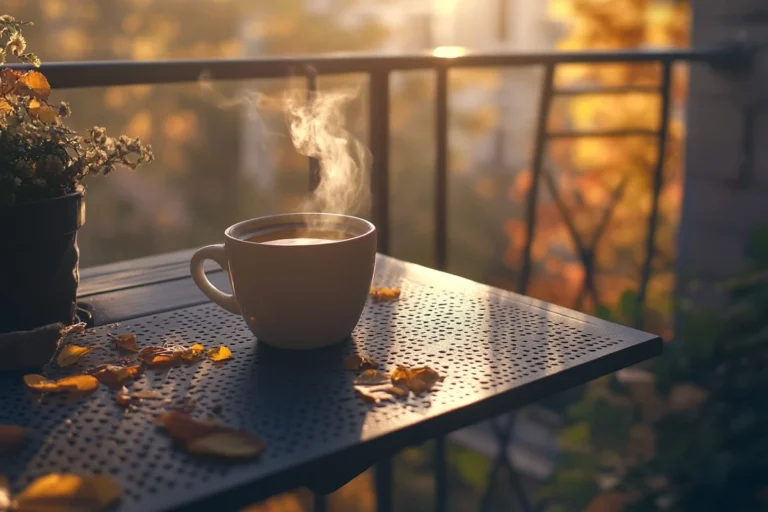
column 294, row 296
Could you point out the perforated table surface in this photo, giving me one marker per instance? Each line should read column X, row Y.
column 498, row 351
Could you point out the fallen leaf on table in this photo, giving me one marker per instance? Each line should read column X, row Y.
column 114, row 376
column 123, row 397
column 125, row 342
column 68, row 492
column 160, row 356
column 193, row 353
column 5, row 494
column 373, row 396
column 208, row 437
column 11, row 436
column 147, row 395
column 182, row 427
column 221, row 353
column 80, row 383
column 357, row 362
column 384, row 294
column 418, row 380
column 371, row 378
column 227, row 443
column 75, row 383
column 70, row 354
column 423, row 378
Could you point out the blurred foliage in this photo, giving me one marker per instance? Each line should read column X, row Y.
column 688, row 432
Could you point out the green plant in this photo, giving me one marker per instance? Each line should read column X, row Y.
column 689, row 432
column 40, row 157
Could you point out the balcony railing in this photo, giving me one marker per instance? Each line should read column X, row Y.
column 728, row 59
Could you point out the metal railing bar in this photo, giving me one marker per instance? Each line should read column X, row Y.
column 597, row 91
column 545, row 102
column 378, row 96
column 441, row 169
column 383, row 477
column 116, row 73
column 603, row 133
column 658, row 181
column 441, row 476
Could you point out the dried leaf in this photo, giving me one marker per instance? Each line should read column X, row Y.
column 125, row 342
column 5, row 108
column 40, row 383
column 70, row 354
column 193, row 353
column 423, row 379
column 33, row 83
column 115, row 376
column 221, row 353
column 401, row 376
column 122, row 397
column 69, row 492
column 182, row 427
column 147, row 395
column 384, row 294
column 160, row 356
column 397, row 390
column 42, row 111
column 208, row 437
column 5, row 494
column 78, row 383
column 11, row 437
column 373, row 396
column 418, row 380
column 229, row 443
column 371, row 378
column 357, row 362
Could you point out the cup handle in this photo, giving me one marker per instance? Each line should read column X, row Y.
column 217, row 254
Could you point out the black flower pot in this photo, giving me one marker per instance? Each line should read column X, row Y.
column 39, row 262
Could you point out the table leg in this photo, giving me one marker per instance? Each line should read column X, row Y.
column 321, row 503
column 383, row 473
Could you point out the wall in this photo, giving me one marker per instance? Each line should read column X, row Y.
column 726, row 187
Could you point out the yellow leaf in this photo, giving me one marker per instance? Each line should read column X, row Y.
column 44, row 113
column 371, row 378
column 182, row 427
column 193, row 353
column 125, row 342
column 114, row 376
column 33, row 82
column 11, row 436
column 356, row 362
column 373, row 396
column 221, row 353
column 384, row 294
column 79, row 383
column 70, row 354
column 228, row 443
column 69, row 493
column 147, row 395
column 5, row 494
column 5, row 108
column 160, row 356
column 40, row 383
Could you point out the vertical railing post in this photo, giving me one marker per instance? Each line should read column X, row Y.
column 441, row 168
column 314, row 163
column 379, row 143
column 441, row 476
column 545, row 102
column 383, row 476
column 658, row 182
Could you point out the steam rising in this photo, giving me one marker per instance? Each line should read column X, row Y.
column 318, row 129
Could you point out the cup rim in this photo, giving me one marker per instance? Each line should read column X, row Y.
column 288, row 217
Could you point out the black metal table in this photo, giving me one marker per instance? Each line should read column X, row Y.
column 498, row 351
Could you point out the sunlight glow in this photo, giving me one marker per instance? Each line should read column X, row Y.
column 449, row 52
